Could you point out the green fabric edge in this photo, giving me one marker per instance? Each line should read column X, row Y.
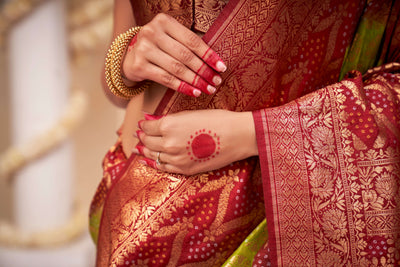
column 245, row 253
column 363, row 52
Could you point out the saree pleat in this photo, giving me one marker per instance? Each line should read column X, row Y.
column 275, row 51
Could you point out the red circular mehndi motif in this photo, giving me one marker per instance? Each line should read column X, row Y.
column 203, row 146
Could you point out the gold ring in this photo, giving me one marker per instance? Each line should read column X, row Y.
column 158, row 158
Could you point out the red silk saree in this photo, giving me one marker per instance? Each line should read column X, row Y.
column 322, row 178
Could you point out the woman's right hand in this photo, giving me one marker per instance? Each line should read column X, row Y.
column 168, row 53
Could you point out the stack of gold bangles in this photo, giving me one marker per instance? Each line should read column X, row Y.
column 113, row 66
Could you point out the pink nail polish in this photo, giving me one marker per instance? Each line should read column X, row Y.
column 196, row 92
column 217, row 80
column 151, row 117
column 140, row 149
column 211, row 89
column 138, row 133
column 140, row 123
column 221, row 66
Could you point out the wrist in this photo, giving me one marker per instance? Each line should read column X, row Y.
column 128, row 82
column 113, row 75
column 248, row 141
column 125, row 79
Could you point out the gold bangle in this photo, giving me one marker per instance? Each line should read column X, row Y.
column 113, row 66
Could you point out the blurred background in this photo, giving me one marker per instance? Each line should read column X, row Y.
column 56, row 126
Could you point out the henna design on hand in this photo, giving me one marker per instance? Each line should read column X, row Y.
column 189, row 90
column 203, row 85
column 213, row 60
column 209, row 75
column 203, row 146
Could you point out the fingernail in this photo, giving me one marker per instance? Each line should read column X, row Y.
column 151, row 117
column 140, row 124
column 196, row 92
column 211, row 89
column 139, row 148
column 138, row 132
column 217, row 80
column 221, row 66
column 135, row 151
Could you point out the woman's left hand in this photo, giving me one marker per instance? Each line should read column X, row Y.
column 192, row 142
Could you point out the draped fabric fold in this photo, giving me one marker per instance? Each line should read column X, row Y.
column 331, row 173
column 276, row 52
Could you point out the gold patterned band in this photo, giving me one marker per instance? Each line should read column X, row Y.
column 113, row 66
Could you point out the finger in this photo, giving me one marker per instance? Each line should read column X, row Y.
column 183, row 54
column 151, row 127
column 212, row 59
column 150, row 154
column 163, row 158
column 152, row 117
column 208, row 74
column 138, row 150
column 193, row 42
column 149, row 162
column 188, row 78
column 166, row 167
column 151, row 142
column 161, row 76
column 162, row 166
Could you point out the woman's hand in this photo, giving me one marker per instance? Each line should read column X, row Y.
column 168, row 53
column 192, row 142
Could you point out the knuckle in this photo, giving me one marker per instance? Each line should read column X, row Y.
column 161, row 18
column 142, row 46
column 193, row 41
column 135, row 67
column 170, row 147
column 164, row 126
column 186, row 55
column 178, row 68
column 146, row 32
column 136, row 70
column 167, row 79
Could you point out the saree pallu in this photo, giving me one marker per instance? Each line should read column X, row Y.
column 331, row 173
column 275, row 52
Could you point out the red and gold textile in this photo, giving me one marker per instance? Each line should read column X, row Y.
column 198, row 15
column 331, row 173
column 276, row 51
column 113, row 164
